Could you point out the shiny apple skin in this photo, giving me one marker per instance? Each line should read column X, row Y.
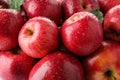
column 72, row 6
column 11, row 22
column 105, row 5
column 15, row 66
column 47, row 8
column 104, row 59
column 57, row 66
column 111, row 24
column 38, row 37
column 82, row 33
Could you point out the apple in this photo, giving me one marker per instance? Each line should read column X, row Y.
column 111, row 24
column 15, row 65
column 57, row 66
column 105, row 5
column 47, row 8
column 38, row 37
column 105, row 63
column 72, row 6
column 11, row 22
column 82, row 33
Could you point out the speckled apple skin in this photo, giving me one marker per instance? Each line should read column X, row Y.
column 15, row 66
column 72, row 6
column 57, row 66
column 106, row 58
column 43, row 40
column 111, row 24
column 82, row 33
column 11, row 22
column 47, row 8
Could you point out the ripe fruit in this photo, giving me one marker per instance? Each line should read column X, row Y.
column 50, row 31
column 10, row 23
column 105, row 5
column 105, row 63
column 47, row 8
column 38, row 37
column 57, row 66
column 82, row 33
column 111, row 23
column 72, row 6
column 14, row 66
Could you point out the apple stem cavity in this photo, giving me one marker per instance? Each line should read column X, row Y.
column 112, row 34
column 84, row 6
column 73, row 19
column 29, row 32
column 109, row 74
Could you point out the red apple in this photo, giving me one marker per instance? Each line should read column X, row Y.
column 105, row 5
column 15, row 66
column 82, row 33
column 10, row 24
column 112, row 23
column 105, row 63
column 72, row 6
column 38, row 37
column 57, row 66
column 47, row 8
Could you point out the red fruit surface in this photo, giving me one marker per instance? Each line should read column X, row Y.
column 105, row 63
column 10, row 24
column 112, row 23
column 38, row 37
column 105, row 5
column 82, row 33
column 15, row 66
column 72, row 6
column 57, row 66
column 47, row 8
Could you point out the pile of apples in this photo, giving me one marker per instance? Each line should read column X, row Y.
column 60, row 40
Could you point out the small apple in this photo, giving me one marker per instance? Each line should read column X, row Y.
column 112, row 23
column 47, row 8
column 57, row 66
column 105, row 5
column 82, row 33
column 11, row 22
column 105, row 63
column 38, row 37
column 72, row 6
column 15, row 66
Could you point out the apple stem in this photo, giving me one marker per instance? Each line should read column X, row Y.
column 114, row 78
column 84, row 5
column 109, row 74
column 29, row 32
